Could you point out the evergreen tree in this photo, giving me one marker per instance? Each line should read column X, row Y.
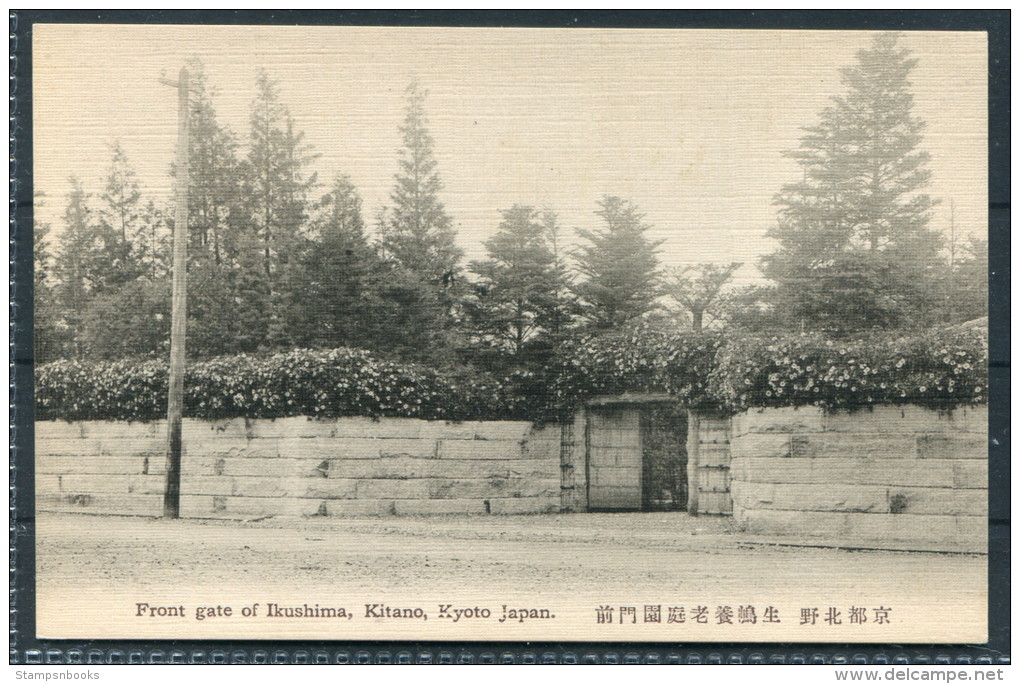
column 50, row 333
column 965, row 282
column 276, row 195
column 132, row 320
column 129, row 313
column 76, row 265
column 854, row 248
column 417, row 233
column 121, row 197
column 216, row 208
column 518, row 294
column 619, row 265
column 119, row 221
column 422, row 290
column 338, row 275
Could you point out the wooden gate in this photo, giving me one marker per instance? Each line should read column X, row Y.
column 708, row 464
column 614, row 462
column 614, row 458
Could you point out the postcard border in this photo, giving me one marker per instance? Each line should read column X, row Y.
column 26, row 648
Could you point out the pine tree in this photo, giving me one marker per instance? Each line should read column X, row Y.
column 119, row 221
column 417, row 232
column 50, row 334
column 423, row 289
column 518, row 294
column 338, row 274
column 228, row 294
column 78, row 265
column 216, row 209
column 620, row 266
column 277, row 189
column 276, row 192
column 854, row 249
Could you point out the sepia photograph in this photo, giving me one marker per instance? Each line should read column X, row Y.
column 510, row 334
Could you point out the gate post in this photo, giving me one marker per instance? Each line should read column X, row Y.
column 693, row 441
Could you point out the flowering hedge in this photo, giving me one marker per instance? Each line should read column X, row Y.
column 642, row 360
column 338, row 382
column 938, row 370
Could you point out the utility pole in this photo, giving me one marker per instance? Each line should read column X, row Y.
column 179, row 307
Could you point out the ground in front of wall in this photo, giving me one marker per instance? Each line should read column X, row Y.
column 671, row 558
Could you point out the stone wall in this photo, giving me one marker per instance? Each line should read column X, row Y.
column 298, row 466
column 908, row 476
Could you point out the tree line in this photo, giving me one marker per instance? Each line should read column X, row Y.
column 279, row 260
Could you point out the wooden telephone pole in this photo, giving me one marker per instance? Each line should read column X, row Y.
column 179, row 307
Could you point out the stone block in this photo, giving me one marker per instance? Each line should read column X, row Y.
column 479, row 449
column 948, row 532
column 58, row 429
column 211, row 485
column 502, row 430
column 309, row 488
column 108, row 504
column 525, row 505
column 47, row 485
column 66, row 446
column 392, row 489
column 255, row 487
column 857, row 445
column 860, row 498
column 113, row 429
column 541, row 449
column 234, row 448
column 414, row 448
column 233, row 429
column 203, row 506
column 256, row 467
column 952, row 446
column 787, row 420
column 323, row 448
column 96, row 464
column 112, row 484
column 491, row 487
column 412, row 468
column 438, row 506
column 382, row 428
column 285, row 428
column 444, row 429
column 341, row 508
column 829, row 471
column 969, row 474
column 547, row 433
column 904, row 419
column 295, row 487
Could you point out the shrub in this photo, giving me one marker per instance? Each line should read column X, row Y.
column 332, row 383
column 939, row 370
column 644, row 359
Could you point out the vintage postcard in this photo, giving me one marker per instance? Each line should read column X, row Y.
column 510, row 334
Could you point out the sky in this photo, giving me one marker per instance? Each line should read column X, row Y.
column 689, row 125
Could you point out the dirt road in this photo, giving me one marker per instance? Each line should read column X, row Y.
column 645, row 556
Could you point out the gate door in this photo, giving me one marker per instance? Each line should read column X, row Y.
column 708, row 464
column 614, row 458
